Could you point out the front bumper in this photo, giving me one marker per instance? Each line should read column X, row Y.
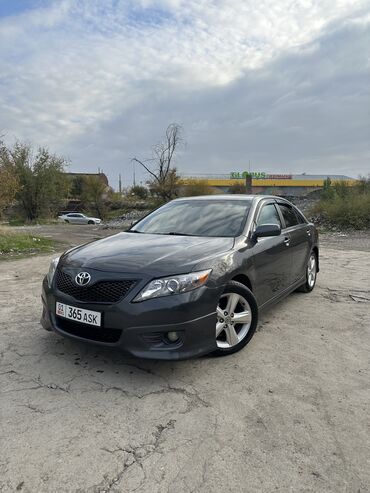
column 140, row 329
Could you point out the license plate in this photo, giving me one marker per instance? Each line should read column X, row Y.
column 88, row 317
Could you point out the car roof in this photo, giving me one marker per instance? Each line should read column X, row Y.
column 230, row 197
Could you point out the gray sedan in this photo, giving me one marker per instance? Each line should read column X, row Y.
column 78, row 218
column 188, row 279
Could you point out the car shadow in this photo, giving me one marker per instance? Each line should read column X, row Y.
column 110, row 366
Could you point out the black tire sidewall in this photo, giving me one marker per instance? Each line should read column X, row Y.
column 238, row 288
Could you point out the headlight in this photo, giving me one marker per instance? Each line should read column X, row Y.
column 168, row 286
column 52, row 269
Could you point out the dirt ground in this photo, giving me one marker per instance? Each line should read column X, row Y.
column 288, row 413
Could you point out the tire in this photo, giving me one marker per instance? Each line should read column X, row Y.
column 90, row 222
column 246, row 303
column 311, row 274
column 66, row 221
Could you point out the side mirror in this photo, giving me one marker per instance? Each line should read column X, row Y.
column 267, row 230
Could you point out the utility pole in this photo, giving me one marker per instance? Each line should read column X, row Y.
column 133, row 168
column 119, row 184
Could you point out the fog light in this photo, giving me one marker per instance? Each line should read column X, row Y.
column 172, row 336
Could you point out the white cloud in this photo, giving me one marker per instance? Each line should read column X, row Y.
column 73, row 67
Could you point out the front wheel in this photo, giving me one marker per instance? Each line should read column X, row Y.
column 237, row 317
column 311, row 273
column 91, row 222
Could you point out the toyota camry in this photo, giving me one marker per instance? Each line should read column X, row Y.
column 188, row 279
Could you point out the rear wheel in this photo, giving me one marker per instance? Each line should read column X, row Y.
column 311, row 273
column 237, row 316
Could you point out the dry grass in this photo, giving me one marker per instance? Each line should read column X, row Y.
column 15, row 243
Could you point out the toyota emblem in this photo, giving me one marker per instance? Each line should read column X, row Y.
column 83, row 278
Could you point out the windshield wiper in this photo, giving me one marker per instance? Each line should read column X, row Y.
column 172, row 233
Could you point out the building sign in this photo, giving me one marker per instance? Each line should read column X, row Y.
column 258, row 175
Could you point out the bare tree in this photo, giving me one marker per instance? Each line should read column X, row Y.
column 164, row 178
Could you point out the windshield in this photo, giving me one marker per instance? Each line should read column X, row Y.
column 197, row 218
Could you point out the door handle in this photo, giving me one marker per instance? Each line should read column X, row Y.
column 308, row 232
column 287, row 241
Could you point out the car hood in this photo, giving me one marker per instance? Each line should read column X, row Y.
column 145, row 253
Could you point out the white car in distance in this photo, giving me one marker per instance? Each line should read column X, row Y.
column 78, row 218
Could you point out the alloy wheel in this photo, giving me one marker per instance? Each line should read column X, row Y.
column 234, row 318
column 311, row 270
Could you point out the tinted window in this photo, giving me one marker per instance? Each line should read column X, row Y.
column 268, row 215
column 301, row 218
column 198, row 218
column 289, row 215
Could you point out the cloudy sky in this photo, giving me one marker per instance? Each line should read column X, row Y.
column 282, row 84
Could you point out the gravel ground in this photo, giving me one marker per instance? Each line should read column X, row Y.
column 349, row 240
column 288, row 413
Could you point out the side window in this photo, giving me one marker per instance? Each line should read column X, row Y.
column 289, row 215
column 268, row 215
column 301, row 218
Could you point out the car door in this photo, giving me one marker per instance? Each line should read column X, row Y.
column 73, row 218
column 79, row 218
column 82, row 219
column 299, row 246
column 70, row 218
column 271, row 259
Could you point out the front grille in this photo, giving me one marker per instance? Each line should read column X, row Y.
column 100, row 292
column 98, row 334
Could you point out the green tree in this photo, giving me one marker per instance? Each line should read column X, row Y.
column 76, row 187
column 164, row 182
column 139, row 191
column 41, row 178
column 8, row 188
column 93, row 193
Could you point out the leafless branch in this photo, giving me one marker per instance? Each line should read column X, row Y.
column 164, row 174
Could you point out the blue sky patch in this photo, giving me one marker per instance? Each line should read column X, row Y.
column 14, row 7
